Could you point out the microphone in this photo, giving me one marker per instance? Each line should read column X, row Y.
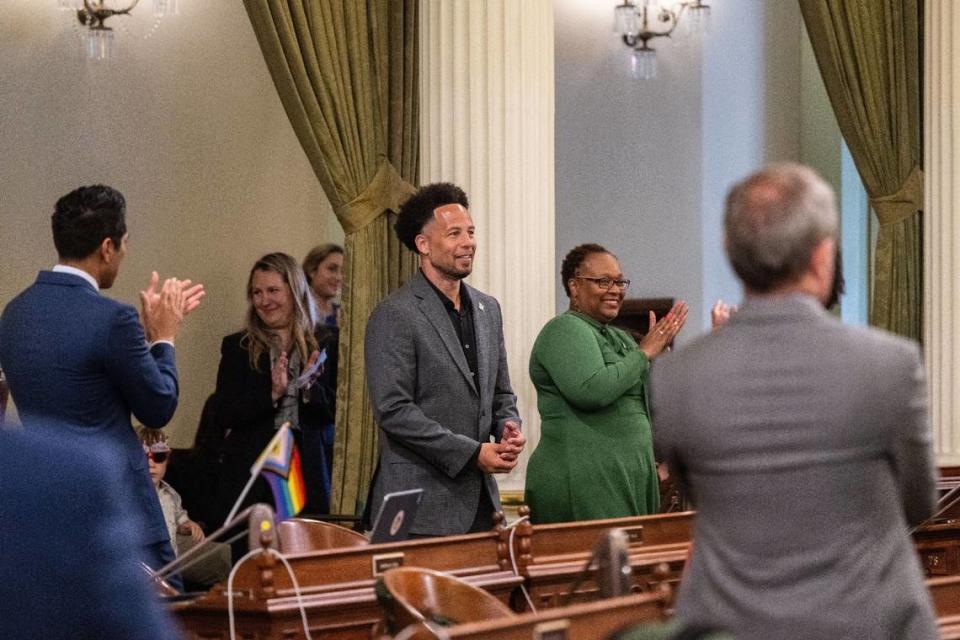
column 260, row 520
column 160, row 585
column 613, row 566
column 614, row 575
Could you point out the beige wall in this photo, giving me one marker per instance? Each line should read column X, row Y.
column 642, row 167
column 188, row 126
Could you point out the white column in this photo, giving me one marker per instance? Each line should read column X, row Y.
column 941, row 227
column 486, row 69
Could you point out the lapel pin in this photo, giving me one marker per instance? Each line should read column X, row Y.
column 480, row 304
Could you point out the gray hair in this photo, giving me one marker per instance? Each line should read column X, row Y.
column 773, row 221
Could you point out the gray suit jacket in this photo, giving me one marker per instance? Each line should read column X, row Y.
column 431, row 414
column 806, row 447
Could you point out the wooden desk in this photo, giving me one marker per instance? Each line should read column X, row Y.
column 338, row 587
column 945, row 594
column 553, row 556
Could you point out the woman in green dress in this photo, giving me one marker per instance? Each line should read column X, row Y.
column 595, row 456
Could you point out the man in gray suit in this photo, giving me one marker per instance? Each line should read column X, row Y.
column 804, row 443
column 437, row 375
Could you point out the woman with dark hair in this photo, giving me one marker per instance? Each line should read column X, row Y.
column 595, row 456
column 260, row 385
column 323, row 267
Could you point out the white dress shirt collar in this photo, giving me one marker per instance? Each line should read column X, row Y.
column 62, row 268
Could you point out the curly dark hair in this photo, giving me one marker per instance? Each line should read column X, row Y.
column 573, row 260
column 418, row 209
column 84, row 217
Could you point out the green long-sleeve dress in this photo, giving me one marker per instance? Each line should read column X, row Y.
column 595, row 457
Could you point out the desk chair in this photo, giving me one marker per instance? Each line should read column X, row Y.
column 300, row 535
column 411, row 595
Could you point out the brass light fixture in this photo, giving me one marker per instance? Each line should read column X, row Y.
column 644, row 20
column 92, row 15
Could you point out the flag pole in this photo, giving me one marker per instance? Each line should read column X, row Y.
column 243, row 494
column 203, row 545
column 255, row 469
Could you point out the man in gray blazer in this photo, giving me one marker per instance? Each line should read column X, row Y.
column 437, row 375
column 804, row 443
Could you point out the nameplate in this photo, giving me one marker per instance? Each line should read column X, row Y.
column 386, row 561
column 634, row 534
column 553, row 630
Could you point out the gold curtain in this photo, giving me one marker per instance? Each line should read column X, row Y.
column 346, row 72
column 869, row 56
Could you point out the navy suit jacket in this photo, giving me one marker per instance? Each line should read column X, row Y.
column 78, row 361
column 68, row 547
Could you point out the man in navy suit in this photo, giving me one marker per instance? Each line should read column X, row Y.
column 79, row 362
column 68, row 546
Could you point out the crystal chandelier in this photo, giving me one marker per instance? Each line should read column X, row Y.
column 641, row 21
column 92, row 16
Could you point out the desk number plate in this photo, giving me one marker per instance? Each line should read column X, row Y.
column 553, row 630
column 634, row 534
column 386, row 561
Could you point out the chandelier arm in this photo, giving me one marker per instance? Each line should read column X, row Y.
column 95, row 13
column 638, row 30
column 128, row 9
column 646, row 33
column 674, row 20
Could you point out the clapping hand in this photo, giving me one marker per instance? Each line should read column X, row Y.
column 192, row 293
column 720, row 313
column 312, row 371
column 663, row 331
column 310, row 374
column 279, row 376
column 163, row 310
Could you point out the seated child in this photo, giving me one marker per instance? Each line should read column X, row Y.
column 210, row 567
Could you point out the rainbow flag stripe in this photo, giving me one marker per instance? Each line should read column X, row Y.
column 280, row 465
column 289, row 492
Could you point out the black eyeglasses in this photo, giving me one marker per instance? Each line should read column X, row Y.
column 606, row 283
